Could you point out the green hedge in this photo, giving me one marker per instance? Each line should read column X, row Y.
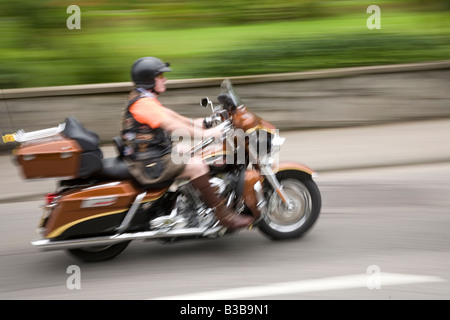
column 204, row 38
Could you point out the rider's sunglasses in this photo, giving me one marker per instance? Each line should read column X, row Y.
column 160, row 76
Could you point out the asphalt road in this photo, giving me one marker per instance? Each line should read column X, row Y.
column 383, row 234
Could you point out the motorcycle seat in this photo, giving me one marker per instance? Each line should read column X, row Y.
column 113, row 169
column 116, row 169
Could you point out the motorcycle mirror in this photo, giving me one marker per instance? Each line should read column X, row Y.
column 206, row 102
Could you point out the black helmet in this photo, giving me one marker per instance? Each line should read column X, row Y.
column 145, row 70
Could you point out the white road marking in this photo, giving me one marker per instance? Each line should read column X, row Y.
column 305, row 286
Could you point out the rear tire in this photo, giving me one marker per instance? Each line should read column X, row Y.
column 281, row 222
column 98, row 253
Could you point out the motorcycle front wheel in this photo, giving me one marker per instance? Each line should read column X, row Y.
column 291, row 221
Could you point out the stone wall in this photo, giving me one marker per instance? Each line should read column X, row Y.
column 294, row 101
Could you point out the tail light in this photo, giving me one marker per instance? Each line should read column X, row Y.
column 50, row 198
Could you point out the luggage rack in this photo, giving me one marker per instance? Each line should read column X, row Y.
column 22, row 136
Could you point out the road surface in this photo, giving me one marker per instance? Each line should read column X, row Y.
column 383, row 233
column 375, row 223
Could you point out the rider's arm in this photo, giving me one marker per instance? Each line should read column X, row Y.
column 151, row 112
column 186, row 121
column 193, row 128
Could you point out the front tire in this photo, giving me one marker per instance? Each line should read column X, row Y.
column 98, row 253
column 288, row 222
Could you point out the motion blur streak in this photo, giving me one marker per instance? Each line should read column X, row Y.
column 267, row 36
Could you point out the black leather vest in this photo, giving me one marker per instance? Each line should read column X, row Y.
column 141, row 141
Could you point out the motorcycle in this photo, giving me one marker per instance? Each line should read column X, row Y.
column 98, row 208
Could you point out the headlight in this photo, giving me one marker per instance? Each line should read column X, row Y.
column 277, row 142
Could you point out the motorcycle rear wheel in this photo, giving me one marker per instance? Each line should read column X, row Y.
column 98, row 253
column 293, row 221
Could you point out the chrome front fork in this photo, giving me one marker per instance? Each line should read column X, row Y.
column 267, row 171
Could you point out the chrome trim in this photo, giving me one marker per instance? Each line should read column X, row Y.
column 48, row 245
column 126, row 221
column 100, row 201
column 110, row 184
column 271, row 177
column 201, row 145
column 169, row 221
column 22, row 136
column 231, row 197
column 28, row 157
column 65, row 155
column 260, row 195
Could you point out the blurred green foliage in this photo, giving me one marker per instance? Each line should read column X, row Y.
column 203, row 38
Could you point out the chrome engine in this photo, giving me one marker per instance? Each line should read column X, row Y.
column 189, row 210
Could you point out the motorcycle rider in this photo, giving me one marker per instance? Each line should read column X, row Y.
column 146, row 131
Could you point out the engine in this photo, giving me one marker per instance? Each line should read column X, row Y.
column 190, row 211
column 192, row 208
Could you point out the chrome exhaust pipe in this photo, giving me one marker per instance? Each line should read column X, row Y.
column 49, row 245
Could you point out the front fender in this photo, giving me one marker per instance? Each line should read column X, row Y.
column 293, row 166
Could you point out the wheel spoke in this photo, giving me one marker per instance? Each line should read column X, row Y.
column 288, row 218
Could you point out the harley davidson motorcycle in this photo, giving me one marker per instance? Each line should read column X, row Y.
column 98, row 208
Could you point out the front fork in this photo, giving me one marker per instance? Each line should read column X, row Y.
column 265, row 165
column 267, row 171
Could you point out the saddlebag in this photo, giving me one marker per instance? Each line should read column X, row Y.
column 97, row 210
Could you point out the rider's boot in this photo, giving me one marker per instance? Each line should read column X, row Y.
column 226, row 216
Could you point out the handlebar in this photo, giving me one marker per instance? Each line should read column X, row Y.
column 219, row 116
column 225, row 127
